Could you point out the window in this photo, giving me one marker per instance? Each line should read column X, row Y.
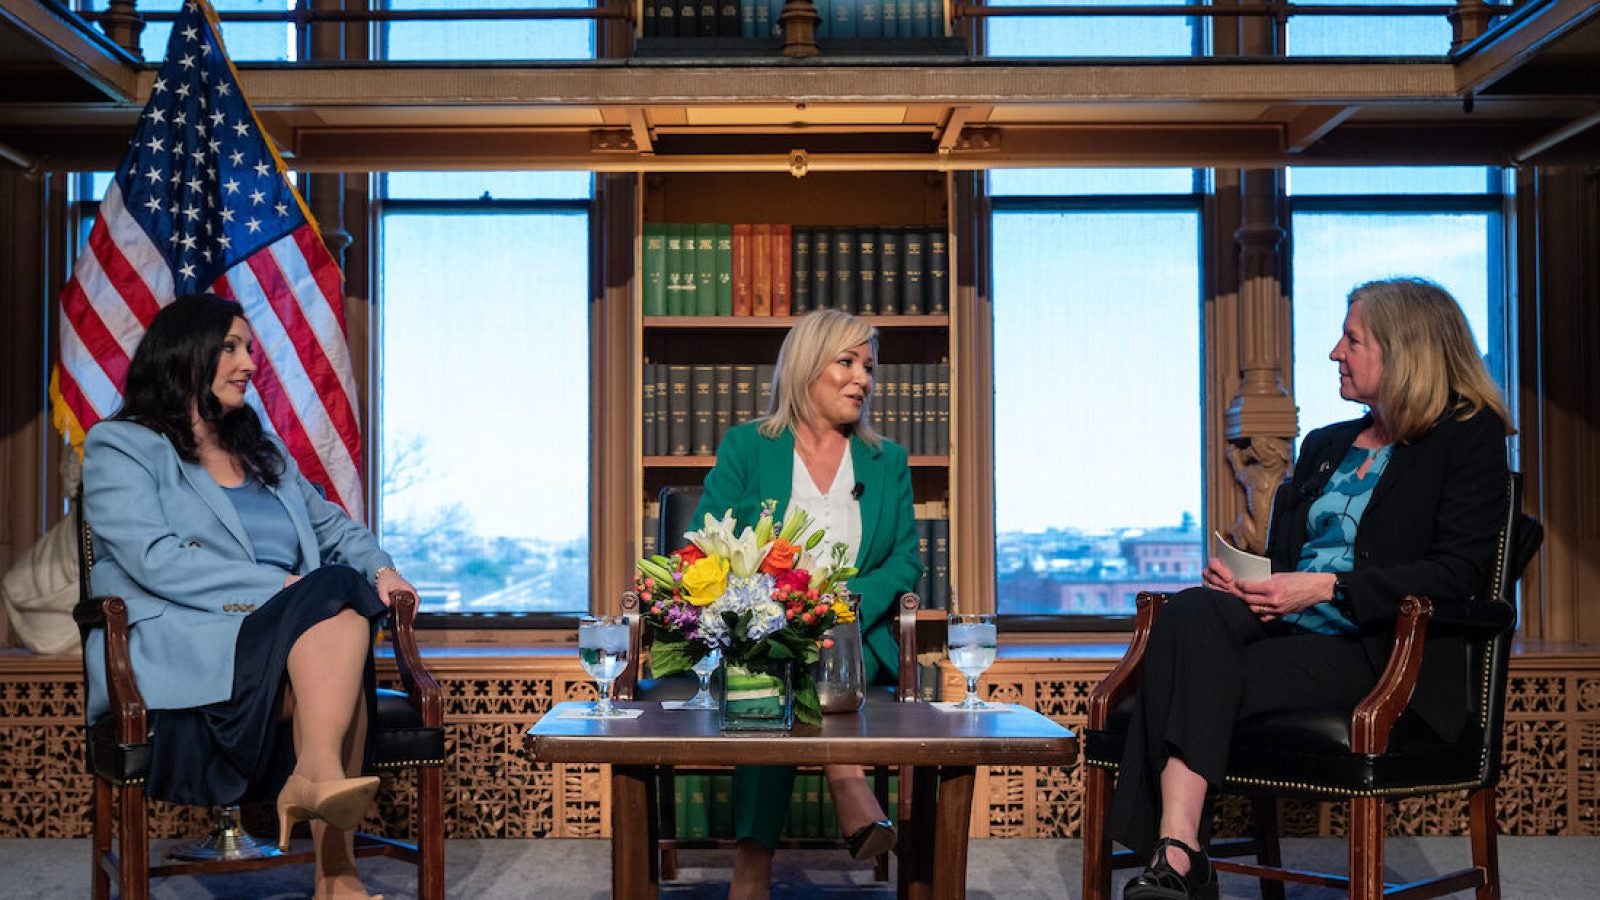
column 484, row 388
column 487, row 39
column 1097, row 380
column 1094, row 36
column 1312, row 33
column 1353, row 225
column 246, row 41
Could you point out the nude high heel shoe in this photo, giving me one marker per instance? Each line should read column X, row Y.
column 340, row 803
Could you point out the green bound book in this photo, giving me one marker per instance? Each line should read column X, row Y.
column 724, row 305
column 655, row 270
column 722, row 806
column 867, row 270
column 680, row 269
column 678, row 409
column 813, row 805
column 705, row 270
column 937, row 248
column 698, row 818
column 888, row 272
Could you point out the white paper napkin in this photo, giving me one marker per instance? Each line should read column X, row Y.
column 950, row 706
column 587, row 712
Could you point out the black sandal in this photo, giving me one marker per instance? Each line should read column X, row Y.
column 1159, row 881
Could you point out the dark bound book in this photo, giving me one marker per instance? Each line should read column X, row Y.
column 821, row 268
column 912, row 283
column 666, row 17
column 844, row 269
column 800, row 272
column 925, row 554
column 648, row 27
column 938, row 249
column 709, row 14
column 917, row 408
column 747, row 18
column 883, row 390
column 941, row 564
column 648, row 409
column 867, row 272
column 723, row 417
column 678, row 410
column 744, row 394
column 888, row 272
column 763, row 389
column 728, row 18
column 928, row 437
column 941, row 431
column 663, row 412
column 688, row 18
column 703, row 411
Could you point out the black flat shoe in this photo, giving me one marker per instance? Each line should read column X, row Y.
column 872, row 840
column 1159, row 881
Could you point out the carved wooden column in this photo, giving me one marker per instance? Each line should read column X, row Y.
column 123, row 23
column 1261, row 420
column 1469, row 20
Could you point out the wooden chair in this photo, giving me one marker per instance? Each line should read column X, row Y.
column 1363, row 758
column 677, row 505
column 406, row 734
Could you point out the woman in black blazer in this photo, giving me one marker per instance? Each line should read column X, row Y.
column 1405, row 500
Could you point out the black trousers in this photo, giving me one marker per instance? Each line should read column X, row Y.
column 1211, row 663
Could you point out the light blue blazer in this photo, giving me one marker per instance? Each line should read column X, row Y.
column 168, row 542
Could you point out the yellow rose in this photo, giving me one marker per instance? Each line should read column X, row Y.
column 706, row 580
column 842, row 611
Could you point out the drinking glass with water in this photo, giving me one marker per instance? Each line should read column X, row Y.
column 603, row 650
column 971, row 639
column 704, row 668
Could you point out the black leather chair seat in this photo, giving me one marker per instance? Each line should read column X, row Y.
column 399, row 740
column 1276, row 750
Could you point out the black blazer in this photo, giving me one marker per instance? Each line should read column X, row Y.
column 1429, row 529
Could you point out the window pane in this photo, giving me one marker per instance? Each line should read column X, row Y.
column 489, row 38
column 1311, row 34
column 254, row 41
column 1093, row 36
column 1334, row 252
column 1306, row 181
column 1097, row 408
column 1090, row 182
column 485, row 408
column 488, row 185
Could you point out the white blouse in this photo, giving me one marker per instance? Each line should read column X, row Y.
column 833, row 510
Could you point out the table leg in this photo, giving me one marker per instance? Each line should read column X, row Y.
column 632, row 874
column 919, row 836
column 953, row 818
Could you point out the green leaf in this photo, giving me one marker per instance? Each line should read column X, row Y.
column 668, row 657
column 807, row 708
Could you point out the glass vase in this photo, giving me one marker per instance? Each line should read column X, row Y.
column 839, row 671
column 757, row 701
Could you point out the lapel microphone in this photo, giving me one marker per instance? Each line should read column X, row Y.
column 857, row 491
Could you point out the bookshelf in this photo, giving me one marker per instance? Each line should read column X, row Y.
column 704, row 360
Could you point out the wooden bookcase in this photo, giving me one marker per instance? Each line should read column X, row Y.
column 827, row 199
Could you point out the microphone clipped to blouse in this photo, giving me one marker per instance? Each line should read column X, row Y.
column 857, row 491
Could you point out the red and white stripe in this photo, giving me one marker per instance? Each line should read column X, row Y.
column 292, row 294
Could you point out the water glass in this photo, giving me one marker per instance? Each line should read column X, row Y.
column 971, row 640
column 704, row 668
column 603, row 650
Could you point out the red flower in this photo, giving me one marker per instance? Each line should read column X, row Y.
column 690, row 555
column 792, row 580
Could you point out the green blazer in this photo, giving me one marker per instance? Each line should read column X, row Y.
column 751, row 468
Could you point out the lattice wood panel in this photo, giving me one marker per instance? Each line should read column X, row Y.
column 1551, row 783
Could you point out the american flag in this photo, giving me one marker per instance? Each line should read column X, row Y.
column 202, row 202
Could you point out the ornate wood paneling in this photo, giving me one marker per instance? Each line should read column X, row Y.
column 1551, row 786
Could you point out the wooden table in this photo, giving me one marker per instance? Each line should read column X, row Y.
column 944, row 747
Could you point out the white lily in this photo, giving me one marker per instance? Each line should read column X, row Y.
column 743, row 553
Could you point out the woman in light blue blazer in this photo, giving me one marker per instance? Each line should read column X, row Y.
column 252, row 601
column 815, row 451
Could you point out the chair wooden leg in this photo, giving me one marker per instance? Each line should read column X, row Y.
column 1096, row 845
column 100, row 840
column 1366, row 848
column 430, row 833
column 1264, row 812
column 133, row 843
column 1485, row 841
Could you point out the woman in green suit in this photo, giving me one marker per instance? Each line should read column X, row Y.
column 815, row 451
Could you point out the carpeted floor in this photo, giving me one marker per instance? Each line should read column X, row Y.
column 1533, row 869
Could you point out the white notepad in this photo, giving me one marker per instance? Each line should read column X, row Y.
column 1244, row 565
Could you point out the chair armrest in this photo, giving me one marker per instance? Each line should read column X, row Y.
column 1124, row 678
column 1375, row 715
column 906, row 622
column 422, row 691
column 127, row 703
column 627, row 684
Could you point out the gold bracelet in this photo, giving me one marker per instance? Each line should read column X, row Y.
column 382, row 569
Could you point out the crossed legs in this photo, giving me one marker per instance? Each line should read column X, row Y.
column 855, row 805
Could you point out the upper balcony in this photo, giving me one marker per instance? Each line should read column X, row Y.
column 1505, row 86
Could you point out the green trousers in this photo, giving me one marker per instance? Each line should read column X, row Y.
column 761, row 793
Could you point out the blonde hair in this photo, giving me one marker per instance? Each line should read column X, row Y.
column 814, row 342
column 1431, row 365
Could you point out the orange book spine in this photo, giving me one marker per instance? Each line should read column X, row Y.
column 761, row 270
column 782, row 247
column 742, row 298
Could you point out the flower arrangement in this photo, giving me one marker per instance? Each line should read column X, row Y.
column 763, row 595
